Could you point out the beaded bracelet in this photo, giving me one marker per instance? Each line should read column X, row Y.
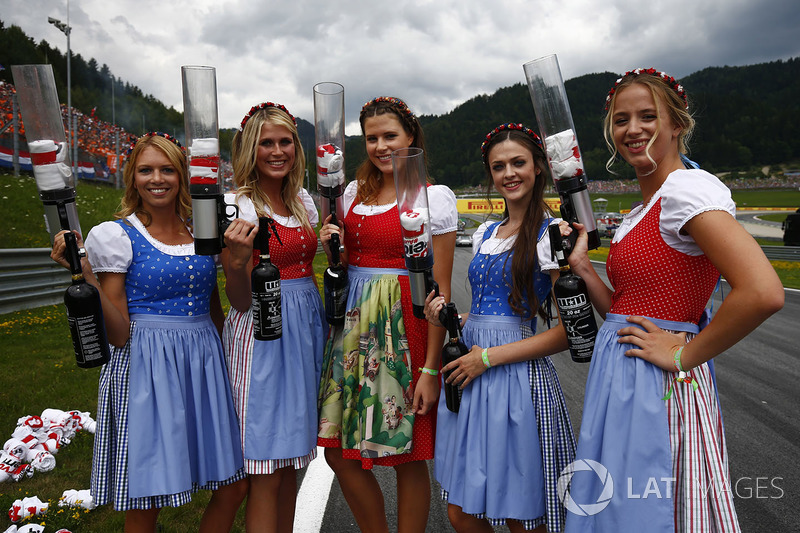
column 485, row 357
column 676, row 357
column 429, row 371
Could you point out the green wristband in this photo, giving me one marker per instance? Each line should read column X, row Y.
column 676, row 357
column 429, row 371
column 485, row 357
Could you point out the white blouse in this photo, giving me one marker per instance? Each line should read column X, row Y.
column 495, row 246
column 685, row 194
column 247, row 210
column 109, row 248
column 441, row 202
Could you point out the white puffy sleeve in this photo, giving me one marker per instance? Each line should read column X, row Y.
column 543, row 251
column 109, row 248
column 349, row 196
column 686, row 194
column 477, row 237
column 442, row 204
column 247, row 210
column 311, row 207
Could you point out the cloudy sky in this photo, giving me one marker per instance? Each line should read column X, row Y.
column 434, row 54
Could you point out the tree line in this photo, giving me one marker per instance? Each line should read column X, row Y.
column 746, row 116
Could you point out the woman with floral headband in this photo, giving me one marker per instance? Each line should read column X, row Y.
column 274, row 382
column 499, row 458
column 380, row 380
column 651, row 418
column 166, row 424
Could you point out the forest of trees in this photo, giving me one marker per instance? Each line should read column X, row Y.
column 746, row 116
column 91, row 85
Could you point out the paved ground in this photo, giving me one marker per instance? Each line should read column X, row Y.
column 757, row 227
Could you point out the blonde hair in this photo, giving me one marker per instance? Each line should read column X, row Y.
column 244, row 152
column 131, row 201
column 676, row 109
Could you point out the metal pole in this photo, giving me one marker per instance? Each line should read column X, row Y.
column 69, row 96
column 15, row 135
column 66, row 30
column 75, row 165
column 118, row 162
column 116, row 134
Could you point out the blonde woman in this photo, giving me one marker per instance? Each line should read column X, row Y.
column 166, row 425
column 274, row 382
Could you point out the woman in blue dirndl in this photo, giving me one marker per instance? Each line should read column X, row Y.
column 274, row 382
column 166, row 425
column 498, row 459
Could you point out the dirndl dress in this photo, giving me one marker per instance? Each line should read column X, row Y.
column 501, row 455
column 373, row 362
column 651, row 451
column 275, row 382
column 166, row 426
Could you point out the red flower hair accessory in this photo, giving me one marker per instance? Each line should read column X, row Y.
column 672, row 82
column 167, row 136
column 401, row 105
column 264, row 105
column 509, row 126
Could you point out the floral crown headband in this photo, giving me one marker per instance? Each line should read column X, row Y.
column 508, row 126
column 390, row 100
column 677, row 87
column 256, row 108
column 167, row 136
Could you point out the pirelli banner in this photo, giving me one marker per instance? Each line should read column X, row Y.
column 498, row 205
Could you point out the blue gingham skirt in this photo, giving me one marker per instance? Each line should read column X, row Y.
column 491, row 459
column 181, row 435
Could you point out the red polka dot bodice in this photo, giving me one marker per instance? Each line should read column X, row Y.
column 654, row 280
column 374, row 240
column 295, row 256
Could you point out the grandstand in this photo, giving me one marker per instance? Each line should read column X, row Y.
column 96, row 151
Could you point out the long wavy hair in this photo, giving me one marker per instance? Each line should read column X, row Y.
column 675, row 109
column 368, row 177
column 244, row 152
column 522, row 296
column 132, row 202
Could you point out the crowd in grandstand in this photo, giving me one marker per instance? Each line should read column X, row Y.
column 96, row 138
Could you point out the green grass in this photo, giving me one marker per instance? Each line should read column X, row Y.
column 774, row 217
column 743, row 198
column 23, row 215
column 767, row 198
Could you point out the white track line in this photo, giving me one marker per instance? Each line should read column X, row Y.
column 312, row 497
